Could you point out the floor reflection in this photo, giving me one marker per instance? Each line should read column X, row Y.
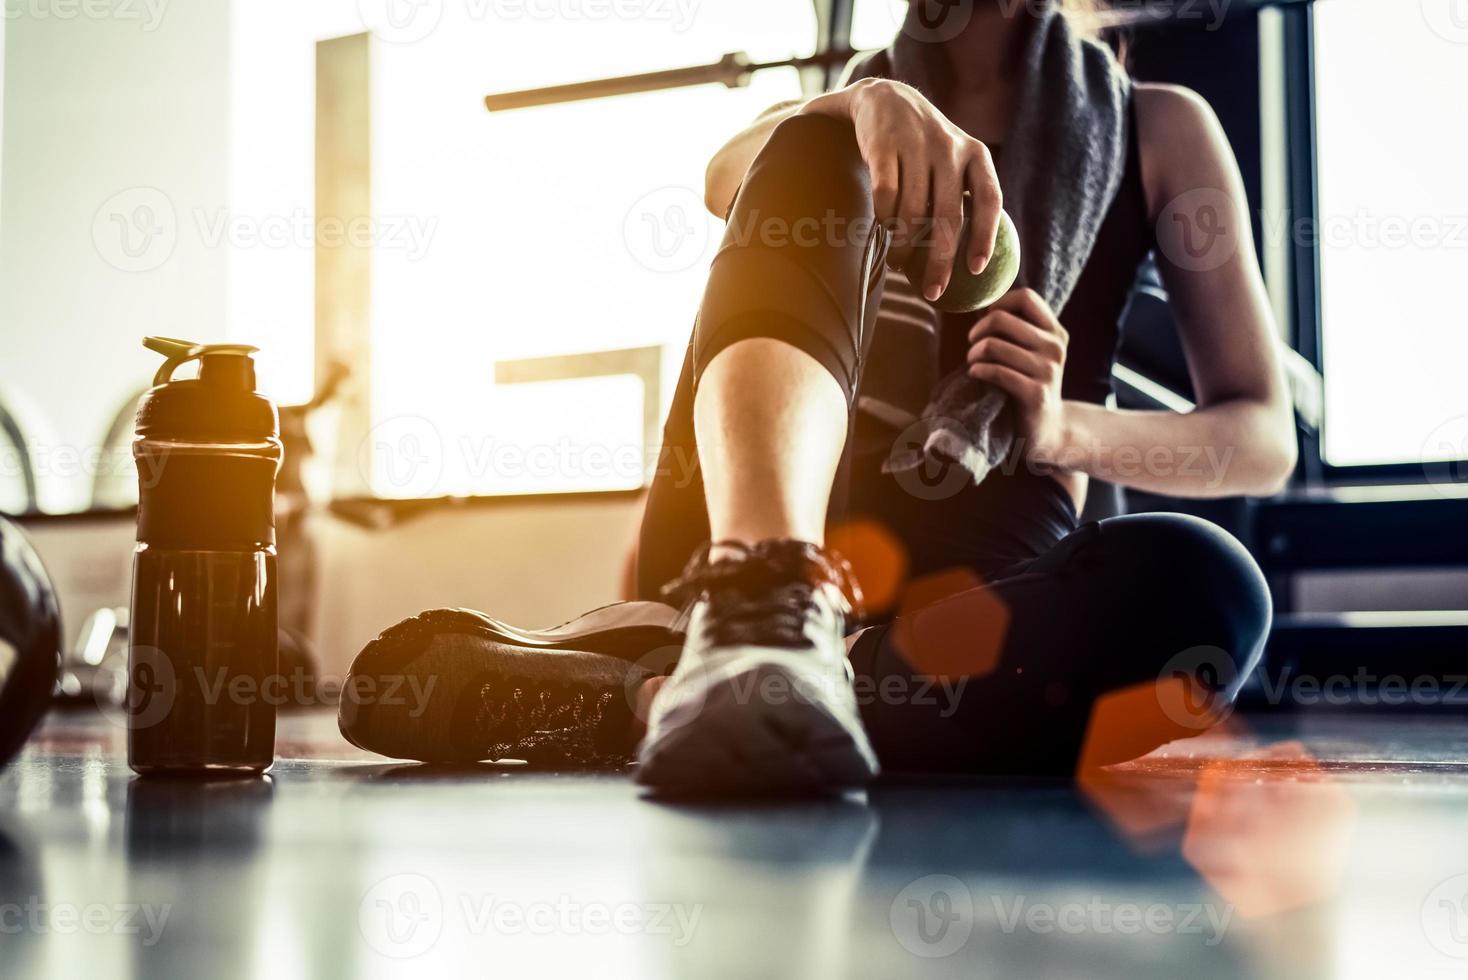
column 190, row 849
column 1304, row 849
column 791, row 906
column 20, row 887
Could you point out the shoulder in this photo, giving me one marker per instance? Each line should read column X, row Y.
column 1180, row 140
column 1163, row 106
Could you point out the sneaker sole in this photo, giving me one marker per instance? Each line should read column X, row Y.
column 742, row 746
column 443, row 643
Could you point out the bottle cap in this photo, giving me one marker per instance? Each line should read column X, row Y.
column 220, row 405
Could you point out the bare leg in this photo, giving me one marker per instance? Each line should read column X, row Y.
column 771, row 426
column 760, row 417
column 775, row 356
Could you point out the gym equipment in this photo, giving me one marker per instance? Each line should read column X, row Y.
column 30, row 639
column 734, row 69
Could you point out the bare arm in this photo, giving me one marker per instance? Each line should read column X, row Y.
column 1244, row 417
column 921, row 164
column 1240, row 438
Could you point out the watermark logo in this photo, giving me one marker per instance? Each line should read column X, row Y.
column 300, row 229
column 1448, row 19
column 680, row 706
column 410, row 21
column 680, row 14
column 917, row 471
column 153, row 687
column 1445, row 917
column 1194, row 687
column 149, row 694
column 405, row 453
column 1133, row 13
column 405, row 916
column 148, row 13
column 665, row 230
column 933, row 21
column 39, row 917
column 401, row 21
column 1100, row 917
column 401, row 916
column 1196, row 230
column 1449, row 443
column 933, row 917
column 136, row 230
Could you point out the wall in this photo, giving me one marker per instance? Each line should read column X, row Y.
column 115, row 140
column 533, row 562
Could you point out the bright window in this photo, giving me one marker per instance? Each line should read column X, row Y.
column 874, row 22
column 500, row 237
column 543, row 232
column 1393, row 229
column 499, row 240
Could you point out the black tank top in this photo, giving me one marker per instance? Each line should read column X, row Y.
column 1092, row 315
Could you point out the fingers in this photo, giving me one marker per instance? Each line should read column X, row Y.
column 1022, row 388
column 1002, row 325
column 1030, row 305
column 947, row 207
column 986, row 201
column 886, row 181
column 921, row 165
column 912, row 200
column 998, row 350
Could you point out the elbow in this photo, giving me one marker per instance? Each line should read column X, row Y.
column 1278, row 470
column 1260, row 451
column 1275, row 458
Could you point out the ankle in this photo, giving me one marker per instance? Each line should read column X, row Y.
column 730, row 541
column 735, row 546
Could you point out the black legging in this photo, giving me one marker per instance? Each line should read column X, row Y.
column 1001, row 676
column 1115, row 604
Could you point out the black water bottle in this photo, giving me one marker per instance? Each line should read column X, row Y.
column 202, row 672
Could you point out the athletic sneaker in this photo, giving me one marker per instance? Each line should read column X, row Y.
column 762, row 698
column 455, row 686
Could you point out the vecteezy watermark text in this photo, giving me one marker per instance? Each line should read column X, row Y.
column 148, row 14
column 37, row 916
column 935, row 916
column 403, row 916
column 138, row 229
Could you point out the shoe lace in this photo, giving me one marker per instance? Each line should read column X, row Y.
column 549, row 722
column 764, row 593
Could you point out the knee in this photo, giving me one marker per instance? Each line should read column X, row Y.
column 1196, row 582
column 811, row 160
column 812, row 140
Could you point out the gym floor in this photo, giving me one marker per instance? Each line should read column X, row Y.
column 1309, row 845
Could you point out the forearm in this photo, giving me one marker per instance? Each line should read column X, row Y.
column 1238, row 447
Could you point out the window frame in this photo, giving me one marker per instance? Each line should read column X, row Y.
column 1306, row 334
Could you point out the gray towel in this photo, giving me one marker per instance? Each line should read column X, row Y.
column 1062, row 163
